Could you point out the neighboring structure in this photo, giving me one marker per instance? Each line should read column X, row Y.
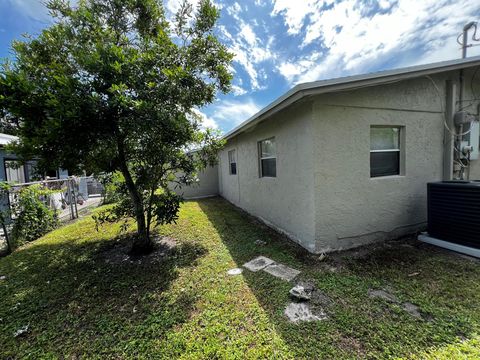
column 206, row 185
column 339, row 163
column 14, row 172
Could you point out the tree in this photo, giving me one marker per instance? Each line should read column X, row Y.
column 112, row 86
column 5, row 215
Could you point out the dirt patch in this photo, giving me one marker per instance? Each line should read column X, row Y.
column 119, row 252
column 351, row 344
column 369, row 251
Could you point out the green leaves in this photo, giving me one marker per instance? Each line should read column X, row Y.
column 109, row 88
column 33, row 218
column 165, row 207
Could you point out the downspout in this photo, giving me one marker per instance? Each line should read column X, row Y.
column 449, row 138
column 459, row 136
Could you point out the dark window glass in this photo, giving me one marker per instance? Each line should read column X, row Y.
column 384, row 163
column 269, row 167
column 233, row 162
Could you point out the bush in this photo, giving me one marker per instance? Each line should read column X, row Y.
column 32, row 218
column 114, row 187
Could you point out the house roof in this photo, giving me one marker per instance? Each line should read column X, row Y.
column 350, row 83
column 6, row 139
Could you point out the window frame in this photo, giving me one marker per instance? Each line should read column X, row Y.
column 260, row 157
column 399, row 150
column 230, row 162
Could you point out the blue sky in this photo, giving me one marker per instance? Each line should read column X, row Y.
column 279, row 43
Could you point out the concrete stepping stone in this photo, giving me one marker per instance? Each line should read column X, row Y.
column 299, row 312
column 281, row 271
column 382, row 294
column 412, row 309
column 257, row 264
column 235, row 271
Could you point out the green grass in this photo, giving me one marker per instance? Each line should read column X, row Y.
column 79, row 306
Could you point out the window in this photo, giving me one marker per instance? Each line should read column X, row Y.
column 384, row 151
column 233, row 162
column 268, row 158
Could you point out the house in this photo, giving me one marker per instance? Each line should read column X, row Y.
column 340, row 163
column 12, row 171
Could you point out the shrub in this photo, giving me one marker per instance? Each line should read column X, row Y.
column 32, row 218
column 114, row 186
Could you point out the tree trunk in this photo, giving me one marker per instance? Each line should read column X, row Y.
column 142, row 243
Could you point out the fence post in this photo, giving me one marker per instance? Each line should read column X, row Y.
column 70, row 198
column 74, row 198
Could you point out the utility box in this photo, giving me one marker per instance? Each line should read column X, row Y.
column 474, row 140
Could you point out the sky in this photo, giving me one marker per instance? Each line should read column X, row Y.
column 280, row 43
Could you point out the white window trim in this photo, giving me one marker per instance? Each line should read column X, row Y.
column 230, row 162
column 267, row 157
column 400, row 149
column 260, row 158
column 384, row 150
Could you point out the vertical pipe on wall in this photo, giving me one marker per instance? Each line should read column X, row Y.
column 449, row 138
column 459, row 137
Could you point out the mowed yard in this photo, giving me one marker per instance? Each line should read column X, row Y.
column 81, row 297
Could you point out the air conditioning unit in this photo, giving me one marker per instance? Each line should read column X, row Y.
column 454, row 215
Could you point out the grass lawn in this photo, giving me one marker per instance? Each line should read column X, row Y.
column 80, row 300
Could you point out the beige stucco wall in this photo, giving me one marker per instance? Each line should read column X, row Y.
column 353, row 209
column 206, row 185
column 285, row 202
column 323, row 196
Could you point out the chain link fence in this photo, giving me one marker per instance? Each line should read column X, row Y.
column 67, row 198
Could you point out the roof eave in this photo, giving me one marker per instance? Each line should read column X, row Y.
column 349, row 83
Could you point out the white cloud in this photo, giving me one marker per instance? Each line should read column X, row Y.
column 247, row 48
column 207, row 122
column 233, row 112
column 234, row 10
column 250, row 51
column 248, row 35
column 295, row 12
column 242, row 57
column 238, row 90
column 357, row 40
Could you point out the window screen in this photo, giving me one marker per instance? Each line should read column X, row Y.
column 268, row 158
column 232, row 162
column 384, row 151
